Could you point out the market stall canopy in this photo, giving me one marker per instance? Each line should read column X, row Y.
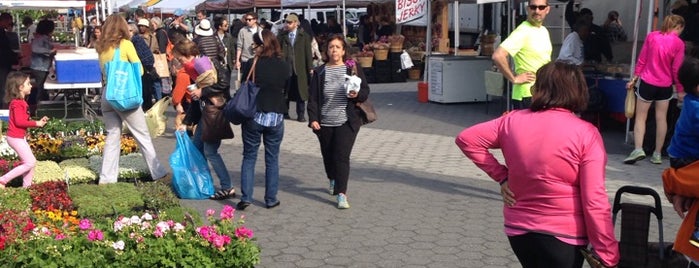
column 216, row 5
column 331, row 3
column 169, row 6
column 39, row 4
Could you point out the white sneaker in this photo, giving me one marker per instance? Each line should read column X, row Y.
column 342, row 201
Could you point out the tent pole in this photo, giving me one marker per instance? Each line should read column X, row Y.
column 428, row 41
column 457, row 32
column 344, row 22
column 634, row 50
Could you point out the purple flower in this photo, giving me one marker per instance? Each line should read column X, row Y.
column 85, row 224
column 350, row 63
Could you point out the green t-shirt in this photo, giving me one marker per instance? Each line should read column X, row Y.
column 531, row 48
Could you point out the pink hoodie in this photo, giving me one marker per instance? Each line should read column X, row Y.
column 660, row 59
column 557, row 166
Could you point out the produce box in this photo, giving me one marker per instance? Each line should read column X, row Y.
column 79, row 65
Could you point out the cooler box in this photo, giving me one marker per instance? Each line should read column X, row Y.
column 5, row 115
column 614, row 90
column 79, row 65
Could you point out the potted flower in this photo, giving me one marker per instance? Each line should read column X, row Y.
column 365, row 56
column 396, row 42
column 380, row 48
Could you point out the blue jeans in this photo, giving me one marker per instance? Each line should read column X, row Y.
column 158, row 88
column 272, row 137
column 210, row 152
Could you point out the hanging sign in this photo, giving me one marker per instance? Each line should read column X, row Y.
column 408, row 10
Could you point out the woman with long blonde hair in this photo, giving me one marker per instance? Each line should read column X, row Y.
column 116, row 34
column 660, row 59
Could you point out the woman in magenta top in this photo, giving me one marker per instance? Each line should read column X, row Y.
column 657, row 66
column 552, row 180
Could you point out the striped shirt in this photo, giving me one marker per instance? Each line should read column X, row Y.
column 334, row 109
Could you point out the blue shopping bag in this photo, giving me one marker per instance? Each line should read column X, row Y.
column 191, row 176
column 124, row 85
column 243, row 105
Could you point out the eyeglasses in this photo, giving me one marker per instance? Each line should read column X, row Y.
column 289, row 22
column 541, row 7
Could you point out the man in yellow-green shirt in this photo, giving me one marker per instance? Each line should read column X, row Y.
column 530, row 46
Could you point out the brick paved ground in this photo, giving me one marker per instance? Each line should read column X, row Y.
column 416, row 200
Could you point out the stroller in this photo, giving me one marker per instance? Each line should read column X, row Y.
column 635, row 249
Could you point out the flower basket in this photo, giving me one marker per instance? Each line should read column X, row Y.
column 395, row 47
column 365, row 62
column 414, row 74
column 381, row 54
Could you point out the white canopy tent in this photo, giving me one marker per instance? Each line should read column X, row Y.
column 44, row 4
column 169, row 6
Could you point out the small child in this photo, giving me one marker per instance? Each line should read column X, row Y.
column 16, row 89
column 684, row 146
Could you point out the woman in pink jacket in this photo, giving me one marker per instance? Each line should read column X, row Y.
column 657, row 66
column 552, row 181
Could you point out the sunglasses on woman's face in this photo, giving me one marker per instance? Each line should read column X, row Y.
column 249, row 19
column 541, row 7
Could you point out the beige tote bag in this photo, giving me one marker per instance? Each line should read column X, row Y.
column 630, row 103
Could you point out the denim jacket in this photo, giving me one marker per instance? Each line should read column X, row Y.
column 41, row 53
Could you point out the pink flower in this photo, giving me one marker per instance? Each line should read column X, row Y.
column 118, row 225
column 178, row 227
column 210, row 212
column 243, row 232
column 85, row 224
column 221, row 240
column 158, row 232
column 95, row 235
column 206, row 232
column 227, row 212
column 60, row 237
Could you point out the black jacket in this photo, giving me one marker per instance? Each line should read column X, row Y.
column 315, row 99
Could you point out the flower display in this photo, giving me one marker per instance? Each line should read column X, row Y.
column 77, row 170
column 6, row 152
column 367, row 51
column 50, row 196
column 131, row 166
column 396, row 39
column 47, row 170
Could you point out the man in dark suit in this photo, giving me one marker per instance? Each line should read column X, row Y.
column 296, row 47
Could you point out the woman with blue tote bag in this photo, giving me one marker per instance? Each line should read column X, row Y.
column 114, row 46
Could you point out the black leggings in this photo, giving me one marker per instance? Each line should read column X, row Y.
column 535, row 250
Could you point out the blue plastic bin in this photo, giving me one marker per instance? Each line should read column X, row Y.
column 614, row 89
column 78, row 66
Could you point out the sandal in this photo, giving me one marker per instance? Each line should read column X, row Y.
column 223, row 194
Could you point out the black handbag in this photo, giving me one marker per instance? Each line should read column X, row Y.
column 214, row 125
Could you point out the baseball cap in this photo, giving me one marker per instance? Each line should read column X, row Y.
column 292, row 17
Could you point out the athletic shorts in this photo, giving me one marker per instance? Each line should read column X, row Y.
column 649, row 93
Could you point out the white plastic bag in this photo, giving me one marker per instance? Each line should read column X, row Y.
column 405, row 61
column 352, row 83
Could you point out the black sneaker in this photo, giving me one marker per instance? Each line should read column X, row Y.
column 694, row 240
column 242, row 205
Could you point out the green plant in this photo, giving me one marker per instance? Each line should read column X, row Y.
column 15, row 199
column 47, row 170
column 78, row 170
column 141, row 241
column 101, row 200
column 131, row 166
column 183, row 214
column 157, row 196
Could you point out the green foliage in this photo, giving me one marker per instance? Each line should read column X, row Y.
column 157, row 196
column 78, row 170
column 47, row 171
column 58, row 127
column 15, row 199
column 183, row 214
column 105, row 199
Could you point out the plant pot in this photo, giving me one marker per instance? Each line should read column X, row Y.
column 414, row 74
column 365, row 62
column 397, row 47
column 381, row 54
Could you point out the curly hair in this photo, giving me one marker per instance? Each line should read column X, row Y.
column 114, row 30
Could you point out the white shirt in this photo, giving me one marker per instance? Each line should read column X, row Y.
column 572, row 49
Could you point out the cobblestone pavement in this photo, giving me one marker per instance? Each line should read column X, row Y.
column 416, row 200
